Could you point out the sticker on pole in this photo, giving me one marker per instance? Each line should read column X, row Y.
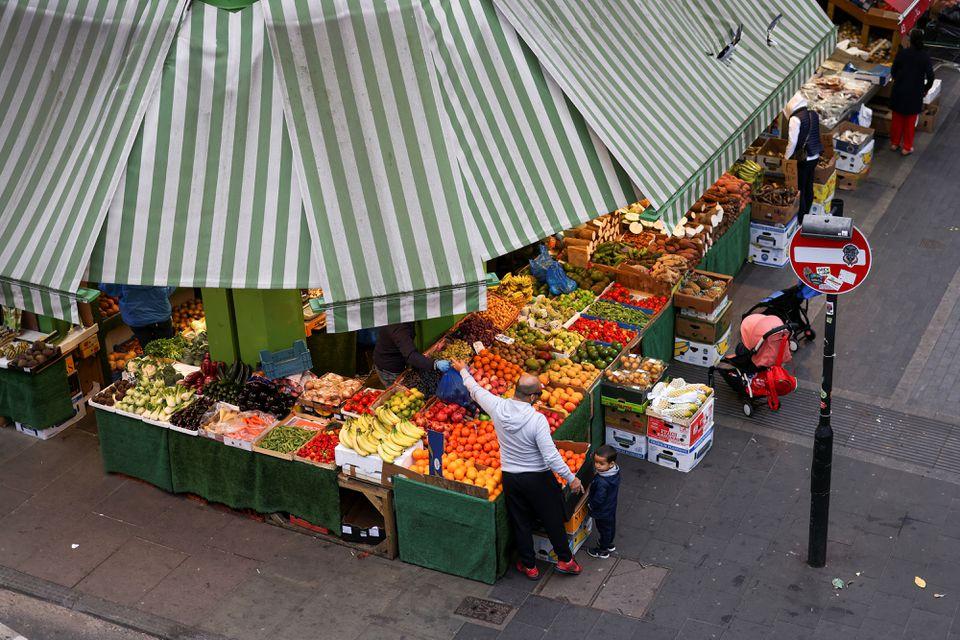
column 831, row 266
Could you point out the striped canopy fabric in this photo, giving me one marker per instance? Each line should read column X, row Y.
column 646, row 77
column 75, row 80
column 209, row 198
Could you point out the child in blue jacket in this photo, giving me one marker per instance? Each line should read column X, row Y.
column 602, row 502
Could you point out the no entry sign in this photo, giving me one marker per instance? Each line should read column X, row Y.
column 831, row 266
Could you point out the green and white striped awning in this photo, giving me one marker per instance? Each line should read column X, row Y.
column 75, row 79
column 646, row 78
column 209, row 198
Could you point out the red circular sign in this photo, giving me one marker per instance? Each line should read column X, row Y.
column 831, row 266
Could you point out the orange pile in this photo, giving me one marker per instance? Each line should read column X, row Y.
column 474, row 440
column 460, row 469
column 574, row 461
column 493, row 373
column 500, row 312
column 564, row 372
column 421, row 461
column 565, row 398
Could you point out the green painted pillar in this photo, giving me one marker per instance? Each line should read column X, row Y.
column 266, row 319
column 429, row 331
column 221, row 326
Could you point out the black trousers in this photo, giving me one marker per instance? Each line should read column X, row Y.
column 606, row 529
column 155, row 331
column 532, row 497
column 805, row 169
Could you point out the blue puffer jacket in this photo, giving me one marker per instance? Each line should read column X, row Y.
column 603, row 494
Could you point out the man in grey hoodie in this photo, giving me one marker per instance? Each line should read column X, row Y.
column 528, row 459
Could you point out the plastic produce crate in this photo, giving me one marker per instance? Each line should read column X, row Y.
column 288, row 362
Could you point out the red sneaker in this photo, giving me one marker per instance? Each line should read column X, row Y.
column 532, row 573
column 570, row 568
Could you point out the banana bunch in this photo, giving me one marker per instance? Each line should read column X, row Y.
column 368, row 435
column 748, row 171
column 13, row 349
column 517, row 290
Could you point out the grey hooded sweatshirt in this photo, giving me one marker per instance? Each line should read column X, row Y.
column 523, row 432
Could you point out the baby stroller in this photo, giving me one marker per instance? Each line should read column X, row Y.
column 790, row 305
column 755, row 369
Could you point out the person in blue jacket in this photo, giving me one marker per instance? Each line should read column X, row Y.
column 602, row 503
column 146, row 310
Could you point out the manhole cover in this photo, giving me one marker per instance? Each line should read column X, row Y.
column 484, row 610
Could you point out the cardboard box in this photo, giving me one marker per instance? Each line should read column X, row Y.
column 822, row 174
column 849, row 147
column 933, row 96
column 576, row 519
column 851, row 181
column 681, row 459
column 698, row 330
column 772, row 236
column 774, row 214
column 770, row 257
column 544, row 548
column 700, row 354
column 627, row 442
column 855, row 162
column 771, row 157
column 624, row 415
column 713, row 316
column 363, row 523
column 823, row 192
column 882, row 119
column 682, row 432
column 927, row 121
column 820, row 208
column 704, row 305
column 370, row 467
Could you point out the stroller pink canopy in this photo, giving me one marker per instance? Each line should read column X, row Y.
column 752, row 330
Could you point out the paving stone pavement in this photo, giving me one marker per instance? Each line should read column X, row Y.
column 716, row 553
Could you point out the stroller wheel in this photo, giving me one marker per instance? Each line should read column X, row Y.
column 747, row 409
column 811, row 334
column 794, row 345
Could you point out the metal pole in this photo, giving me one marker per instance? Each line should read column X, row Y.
column 823, row 447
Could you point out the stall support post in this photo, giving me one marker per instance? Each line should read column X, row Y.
column 221, row 326
column 270, row 319
column 430, row 330
column 821, row 468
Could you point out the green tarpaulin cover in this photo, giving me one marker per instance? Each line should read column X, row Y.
column 134, row 448
column 38, row 400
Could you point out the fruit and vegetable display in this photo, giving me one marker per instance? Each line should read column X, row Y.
column 320, row 448
column 563, row 341
column 526, row 356
column 285, row 438
column 700, row 285
column 166, row 348
column 612, row 254
column 678, row 398
column 124, row 353
column 474, row 440
column 154, row 400
column 565, row 372
column 566, row 398
column 425, row 381
column 330, row 390
column 10, row 347
column 195, row 350
column 109, row 396
column 653, row 303
column 573, row 461
column 554, row 418
column 107, row 305
column 619, row 293
column 776, row 195
column 385, row 435
column 636, row 371
column 405, row 403
column 455, row 350
column 473, row 328
column 227, row 383
column 616, row 312
column 359, row 403
column 597, row 354
column 602, row 330
column 499, row 312
column 729, row 191
column 468, row 472
column 185, row 313
column 35, row 356
column 592, row 280
column 517, row 290
column 748, row 170
column 263, row 394
column 191, row 416
column 440, row 415
column 493, row 373
column 669, row 269
column 549, row 314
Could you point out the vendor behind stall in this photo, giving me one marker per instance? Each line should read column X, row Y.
column 146, row 310
column 529, row 458
column 396, row 350
column 804, row 146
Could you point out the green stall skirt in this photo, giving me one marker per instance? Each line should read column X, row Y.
column 247, row 480
column 451, row 532
column 38, row 400
column 134, row 448
column 730, row 251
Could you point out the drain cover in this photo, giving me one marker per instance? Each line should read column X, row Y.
column 483, row 610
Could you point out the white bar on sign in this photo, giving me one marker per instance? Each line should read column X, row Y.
column 824, row 255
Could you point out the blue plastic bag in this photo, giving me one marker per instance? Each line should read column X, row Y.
column 451, row 389
column 546, row 269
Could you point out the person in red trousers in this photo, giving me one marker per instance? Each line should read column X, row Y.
column 912, row 78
